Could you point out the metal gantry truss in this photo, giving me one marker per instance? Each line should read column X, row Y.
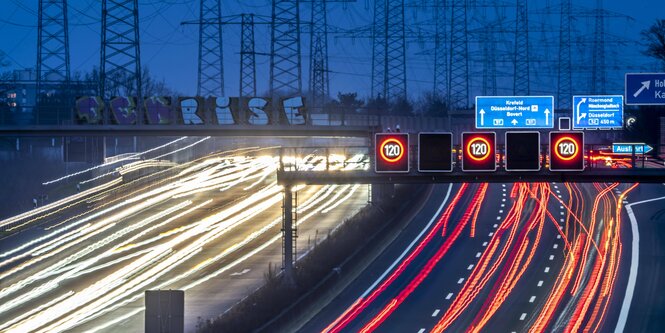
column 285, row 56
column 211, row 56
column 441, row 50
column 598, row 69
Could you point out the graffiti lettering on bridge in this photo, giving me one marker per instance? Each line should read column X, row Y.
column 195, row 110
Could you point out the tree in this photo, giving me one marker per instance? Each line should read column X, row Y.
column 433, row 105
column 401, row 107
column 654, row 37
column 347, row 103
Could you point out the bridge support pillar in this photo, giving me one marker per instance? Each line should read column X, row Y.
column 287, row 235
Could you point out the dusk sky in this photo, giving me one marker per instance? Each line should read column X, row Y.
column 170, row 49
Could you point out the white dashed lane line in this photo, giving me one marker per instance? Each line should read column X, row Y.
column 523, row 316
column 555, row 246
column 478, row 255
column 484, row 243
column 470, row 267
column 547, row 269
column 422, row 330
column 449, row 295
column 460, row 280
column 551, row 257
column 436, row 312
column 533, row 298
column 540, row 283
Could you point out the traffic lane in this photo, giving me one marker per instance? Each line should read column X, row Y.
column 431, row 209
column 525, row 301
column 214, row 296
column 430, row 300
column 648, row 305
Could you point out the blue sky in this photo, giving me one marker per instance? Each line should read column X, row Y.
column 170, row 50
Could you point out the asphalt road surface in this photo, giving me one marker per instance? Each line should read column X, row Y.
column 515, row 258
column 209, row 227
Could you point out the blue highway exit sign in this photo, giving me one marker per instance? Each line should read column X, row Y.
column 645, row 88
column 591, row 112
column 514, row 112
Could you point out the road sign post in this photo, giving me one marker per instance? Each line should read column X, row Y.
column 598, row 112
column 514, row 112
column 392, row 152
column 478, row 151
column 645, row 88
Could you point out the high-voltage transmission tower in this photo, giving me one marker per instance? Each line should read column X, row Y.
column 319, row 86
column 285, row 58
column 598, row 70
column 211, row 57
column 121, row 56
column 440, row 49
column 521, row 75
column 564, row 77
column 388, row 50
column 458, row 81
column 247, row 57
column 52, row 47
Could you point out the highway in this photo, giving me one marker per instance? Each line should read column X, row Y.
column 514, row 258
column 210, row 227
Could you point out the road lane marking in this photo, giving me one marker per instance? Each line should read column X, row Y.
column 490, row 234
column 500, row 211
column 478, row 255
column 523, row 316
column 460, row 280
column 533, row 298
column 547, row 269
column 551, row 257
column 540, row 283
column 495, row 225
column 558, row 236
column 449, row 295
column 498, row 217
column 504, row 199
column 634, row 264
column 555, row 246
column 562, row 220
column 436, row 312
column 422, row 330
column 470, row 267
column 560, row 207
column 408, row 248
column 562, row 213
column 503, row 205
column 484, row 243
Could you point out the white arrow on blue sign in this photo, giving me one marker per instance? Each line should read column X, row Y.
column 645, row 88
column 598, row 111
column 627, row 148
column 514, row 112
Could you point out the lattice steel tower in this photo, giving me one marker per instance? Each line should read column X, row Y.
column 318, row 77
column 521, row 85
column 285, row 59
column 120, row 55
column 395, row 50
column 458, row 81
column 247, row 57
column 211, row 57
column 441, row 49
column 389, row 50
column 598, row 69
column 564, row 77
column 52, row 43
column 379, row 49
column 52, row 46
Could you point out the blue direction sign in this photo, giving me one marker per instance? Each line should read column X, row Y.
column 598, row 112
column 627, row 148
column 514, row 112
column 645, row 88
